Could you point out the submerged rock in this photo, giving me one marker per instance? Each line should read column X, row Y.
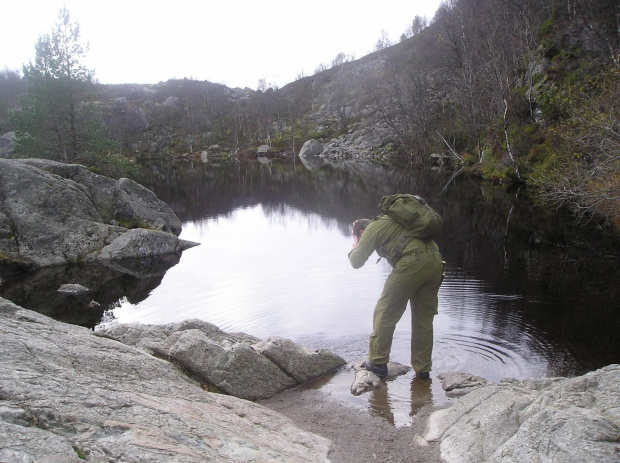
column 72, row 288
column 69, row 396
column 107, row 281
column 552, row 419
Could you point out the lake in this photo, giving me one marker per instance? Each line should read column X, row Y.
column 527, row 293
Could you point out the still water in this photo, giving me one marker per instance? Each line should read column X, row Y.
column 526, row 294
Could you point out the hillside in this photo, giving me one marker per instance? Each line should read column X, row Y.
column 516, row 92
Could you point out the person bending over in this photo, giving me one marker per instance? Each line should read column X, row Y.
column 416, row 276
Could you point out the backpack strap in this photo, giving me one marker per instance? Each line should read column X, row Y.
column 402, row 241
column 399, row 248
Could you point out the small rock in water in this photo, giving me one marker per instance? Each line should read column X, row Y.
column 74, row 289
column 366, row 380
column 459, row 384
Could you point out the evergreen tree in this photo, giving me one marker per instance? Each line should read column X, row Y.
column 57, row 119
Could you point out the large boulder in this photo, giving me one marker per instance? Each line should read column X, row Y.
column 551, row 419
column 171, row 101
column 297, row 361
column 234, row 363
column 263, row 150
column 120, row 201
column 69, row 396
column 311, row 148
column 53, row 213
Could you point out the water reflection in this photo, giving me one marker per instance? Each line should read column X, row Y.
column 265, row 272
column 109, row 283
column 389, row 402
column 526, row 294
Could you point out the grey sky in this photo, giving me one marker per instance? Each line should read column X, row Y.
column 234, row 42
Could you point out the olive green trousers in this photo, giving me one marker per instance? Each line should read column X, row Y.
column 415, row 278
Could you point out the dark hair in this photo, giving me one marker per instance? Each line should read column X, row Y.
column 359, row 226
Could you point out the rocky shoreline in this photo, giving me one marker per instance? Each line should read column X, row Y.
column 184, row 392
column 68, row 394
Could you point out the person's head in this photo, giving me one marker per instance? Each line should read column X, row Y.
column 359, row 226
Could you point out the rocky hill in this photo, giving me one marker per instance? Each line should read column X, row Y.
column 517, row 92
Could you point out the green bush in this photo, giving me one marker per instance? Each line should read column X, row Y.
column 322, row 134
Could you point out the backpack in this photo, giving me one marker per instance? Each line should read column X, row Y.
column 413, row 213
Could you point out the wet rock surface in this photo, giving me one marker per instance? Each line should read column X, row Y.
column 68, row 395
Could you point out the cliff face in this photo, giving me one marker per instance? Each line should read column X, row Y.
column 185, row 117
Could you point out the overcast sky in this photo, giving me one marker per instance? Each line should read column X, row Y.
column 233, row 42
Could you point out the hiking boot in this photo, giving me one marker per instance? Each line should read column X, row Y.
column 423, row 375
column 380, row 370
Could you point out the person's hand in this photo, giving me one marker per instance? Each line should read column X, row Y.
column 356, row 238
column 358, row 229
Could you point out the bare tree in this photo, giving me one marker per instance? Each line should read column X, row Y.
column 602, row 18
column 486, row 48
column 587, row 176
column 11, row 86
column 339, row 60
column 418, row 24
column 383, row 41
column 341, row 102
column 321, row 68
column 586, row 173
column 262, row 85
column 403, row 96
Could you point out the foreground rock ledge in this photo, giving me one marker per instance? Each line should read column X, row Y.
column 534, row 420
column 69, row 396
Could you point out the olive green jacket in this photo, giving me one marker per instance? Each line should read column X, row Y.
column 381, row 235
